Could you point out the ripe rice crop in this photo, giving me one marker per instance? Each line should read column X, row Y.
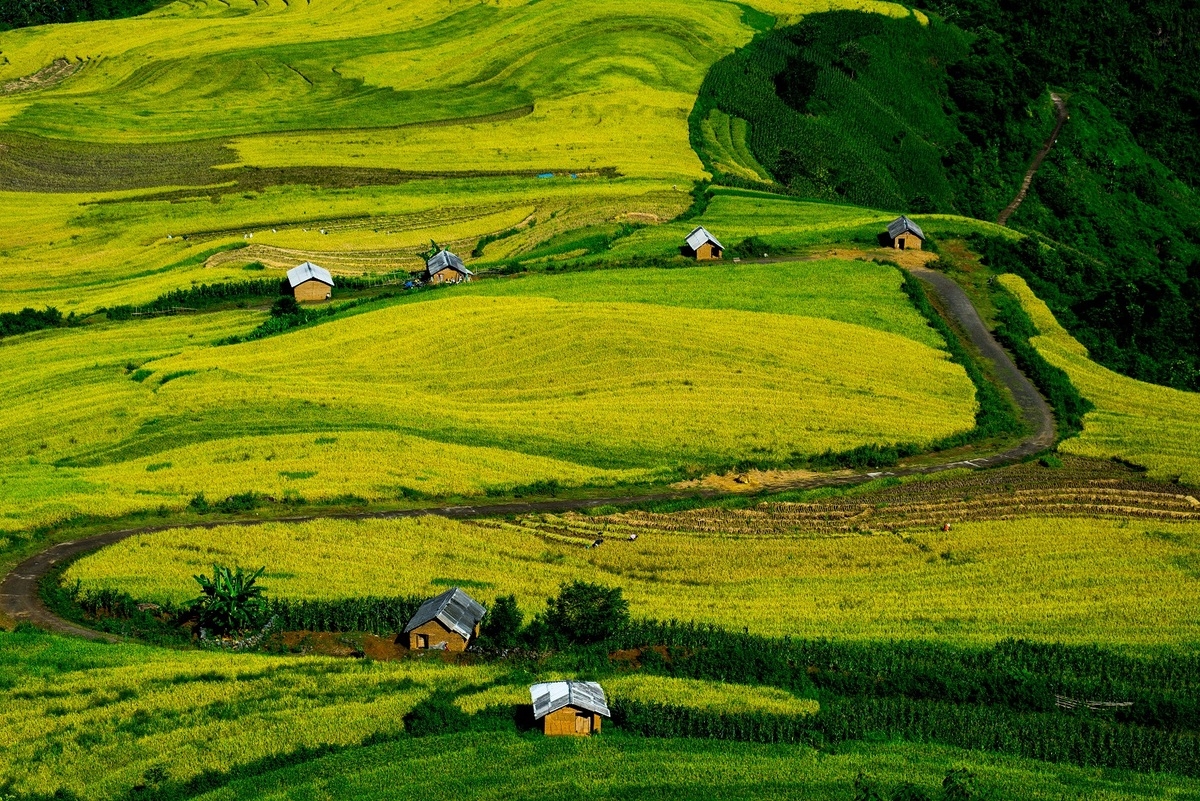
column 691, row 693
column 95, row 719
column 1145, row 424
column 365, row 406
column 610, row 384
column 1072, row 580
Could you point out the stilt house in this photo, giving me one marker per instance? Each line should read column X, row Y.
column 702, row 246
column 310, row 283
column 446, row 623
column 904, row 234
column 569, row 707
column 446, row 268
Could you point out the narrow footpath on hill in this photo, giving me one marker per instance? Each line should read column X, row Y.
column 1060, row 107
column 19, row 590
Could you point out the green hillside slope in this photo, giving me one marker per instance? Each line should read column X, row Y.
column 892, row 114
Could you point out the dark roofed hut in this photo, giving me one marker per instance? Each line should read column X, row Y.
column 447, row 622
column 310, row 283
column 702, row 246
column 904, row 234
column 446, row 268
column 571, row 708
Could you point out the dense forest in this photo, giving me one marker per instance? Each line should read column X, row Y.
column 945, row 117
column 23, row 13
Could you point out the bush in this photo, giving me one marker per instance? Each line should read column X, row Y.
column 584, row 613
column 285, row 307
column 503, row 623
column 437, row 714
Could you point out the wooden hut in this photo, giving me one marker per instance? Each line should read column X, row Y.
column 446, row 268
column 904, row 234
column 445, row 623
column 702, row 246
column 310, row 283
column 571, row 708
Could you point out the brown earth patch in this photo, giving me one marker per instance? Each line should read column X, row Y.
column 50, row 75
column 753, row 480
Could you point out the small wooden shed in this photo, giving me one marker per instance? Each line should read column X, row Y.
column 445, row 623
column 904, row 234
column 310, row 283
column 569, row 708
column 702, row 246
column 446, row 268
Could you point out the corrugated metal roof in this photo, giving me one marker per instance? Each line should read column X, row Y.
column 554, row 695
column 445, row 259
column 308, row 272
column 699, row 236
column 454, row 609
column 901, row 225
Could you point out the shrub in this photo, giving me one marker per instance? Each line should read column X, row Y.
column 503, row 623
column 585, row 613
column 285, row 307
column 437, row 714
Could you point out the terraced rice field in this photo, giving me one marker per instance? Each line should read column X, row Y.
column 99, row 720
column 586, row 379
column 1145, row 424
column 1122, row 581
column 207, row 122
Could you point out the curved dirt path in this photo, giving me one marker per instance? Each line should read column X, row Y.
column 1060, row 106
column 21, row 600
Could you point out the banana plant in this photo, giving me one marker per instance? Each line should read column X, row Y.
column 230, row 602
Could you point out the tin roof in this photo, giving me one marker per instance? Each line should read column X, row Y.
column 902, row 224
column 554, row 695
column 308, row 272
column 699, row 236
column 454, row 609
column 444, row 259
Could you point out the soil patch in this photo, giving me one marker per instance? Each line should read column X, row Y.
column 47, row 76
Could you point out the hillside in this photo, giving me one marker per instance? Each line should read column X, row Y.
column 912, row 117
column 821, row 518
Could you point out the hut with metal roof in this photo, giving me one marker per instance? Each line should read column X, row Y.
column 446, row 268
column 569, row 707
column 446, row 623
column 702, row 246
column 310, row 283
column 904, row 234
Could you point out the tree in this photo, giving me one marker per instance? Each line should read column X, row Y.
column 503, row 622
column 586, row 613
column 230, row 602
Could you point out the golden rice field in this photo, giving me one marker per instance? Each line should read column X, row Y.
column 615, row 384
column 1152, row 426
column 587, row 379
column 93, row 719
column 340, row 127
column 712, row 696
column 1121, row 582
column 98, row 720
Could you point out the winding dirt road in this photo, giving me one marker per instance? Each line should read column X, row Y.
column 20, row 599
column 1060, row 106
